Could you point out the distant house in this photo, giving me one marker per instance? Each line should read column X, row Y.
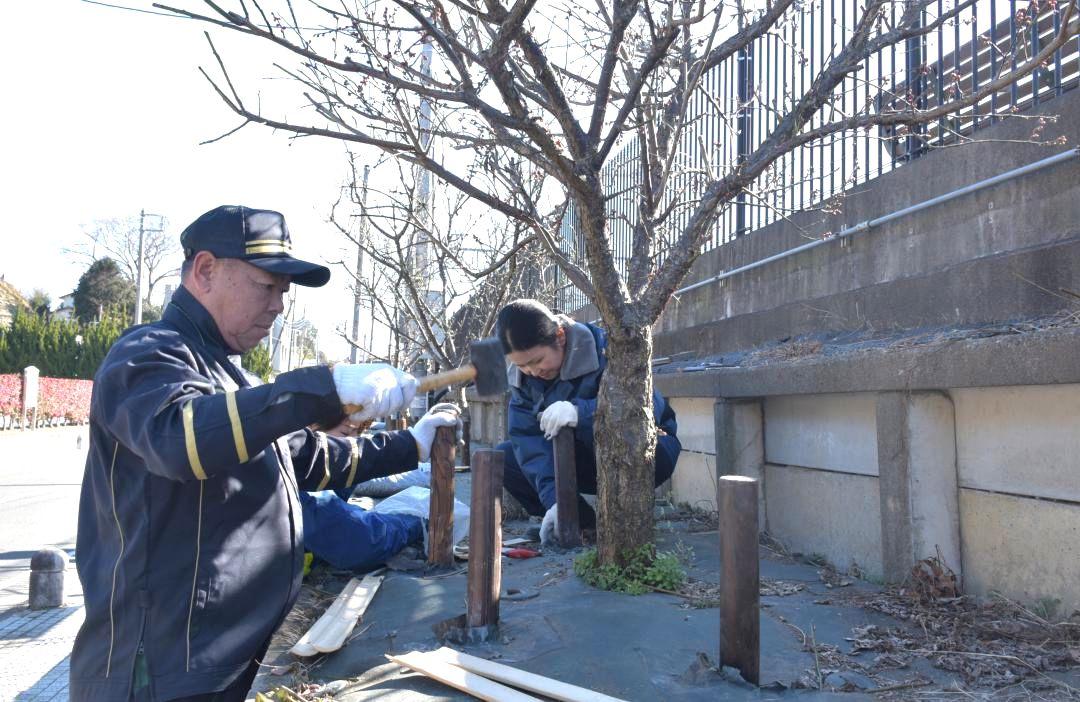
column 10, row 301
column 66, row 309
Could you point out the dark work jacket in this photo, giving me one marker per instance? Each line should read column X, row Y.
column 579, row 380
column 190, row 541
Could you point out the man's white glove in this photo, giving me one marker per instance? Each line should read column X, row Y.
column 549, row 527
column 378, row 388
column 558, row 415
column 441, row 415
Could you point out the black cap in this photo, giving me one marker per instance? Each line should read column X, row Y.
column 259, row 237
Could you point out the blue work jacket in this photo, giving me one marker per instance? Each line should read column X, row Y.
column 579, row 380
column 190, row 538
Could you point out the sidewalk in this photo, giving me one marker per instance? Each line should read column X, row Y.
column 39, row 488
column 34, row 650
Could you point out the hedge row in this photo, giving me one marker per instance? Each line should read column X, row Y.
column 59, row 399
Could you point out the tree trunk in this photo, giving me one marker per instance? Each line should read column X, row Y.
column 625, row 445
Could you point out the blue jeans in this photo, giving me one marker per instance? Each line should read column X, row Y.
column 524, row 491
column 351, row 538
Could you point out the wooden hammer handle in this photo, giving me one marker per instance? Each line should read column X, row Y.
column 447, row 378
column 434, row 381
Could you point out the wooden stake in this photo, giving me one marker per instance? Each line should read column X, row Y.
column 566, row 493
column 485, row 539
column 740, row 625
column 441, row 506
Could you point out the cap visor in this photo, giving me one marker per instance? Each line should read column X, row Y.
column 305, row 273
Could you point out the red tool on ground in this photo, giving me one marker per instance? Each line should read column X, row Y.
column 520, row 553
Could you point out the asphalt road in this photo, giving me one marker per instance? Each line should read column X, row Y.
column 40, row 475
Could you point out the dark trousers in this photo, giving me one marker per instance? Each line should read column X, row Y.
column 521, row 487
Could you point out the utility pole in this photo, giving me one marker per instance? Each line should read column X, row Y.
column 139, row 265
column 138, row 271
column 359, row 271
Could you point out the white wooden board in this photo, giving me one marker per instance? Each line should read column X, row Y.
column 333, row 636
column 304, row 646
column 525, row 680
column 459, row 678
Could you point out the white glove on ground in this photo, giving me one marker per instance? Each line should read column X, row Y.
column 441, row 415
column 549, row 527
column 558, row 415
column 378, row 388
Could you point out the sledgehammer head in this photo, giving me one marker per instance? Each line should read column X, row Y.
column 487, row 358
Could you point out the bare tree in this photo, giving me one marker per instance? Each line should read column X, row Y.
column 441, row 269
column 563, row 88
column 118, row 239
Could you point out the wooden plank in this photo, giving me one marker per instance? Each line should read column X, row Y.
column 304, row 647
column 566, row 492
column 333, row 636
column 485, row 539
column 555, row 689
column 476, row 685
column 441, row 505
column 740, row 616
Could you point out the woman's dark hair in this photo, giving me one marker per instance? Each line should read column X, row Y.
column 525, row 324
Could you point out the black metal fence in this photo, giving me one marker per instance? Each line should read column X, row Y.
column 739, row 102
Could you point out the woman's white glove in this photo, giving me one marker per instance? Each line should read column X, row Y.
column 379, row 389
column 549, row 527
column 441, row 415
column 555, row 417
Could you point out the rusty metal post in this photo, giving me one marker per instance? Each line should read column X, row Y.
column 740, row 624
column 485, row 540
column 566, row 492
column 441, row 505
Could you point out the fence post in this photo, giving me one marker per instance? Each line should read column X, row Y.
column 485, row 540
column 740, row 624
column 441, row 504
column 913, row 55
column 744, row 137
column 566, row 492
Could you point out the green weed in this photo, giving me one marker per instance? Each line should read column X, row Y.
column 645, row 569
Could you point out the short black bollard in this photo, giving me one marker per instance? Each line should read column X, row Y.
column 47, row 578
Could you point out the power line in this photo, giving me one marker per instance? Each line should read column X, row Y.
column 136, row 9
column 172, row 15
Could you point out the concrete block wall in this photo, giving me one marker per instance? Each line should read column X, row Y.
column 821, row 476
column 987, row 479
column 1018, row 467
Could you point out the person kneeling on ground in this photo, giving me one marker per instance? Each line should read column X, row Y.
column 349, row 537
column 555, row 372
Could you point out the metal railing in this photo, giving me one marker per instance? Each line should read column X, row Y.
column 739, row 102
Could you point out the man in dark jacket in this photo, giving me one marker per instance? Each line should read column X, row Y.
column 190, row 538
column 555, row 371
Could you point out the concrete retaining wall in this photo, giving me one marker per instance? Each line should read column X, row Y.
column 1001, row 253
column 967, row 446
column 987, row 479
